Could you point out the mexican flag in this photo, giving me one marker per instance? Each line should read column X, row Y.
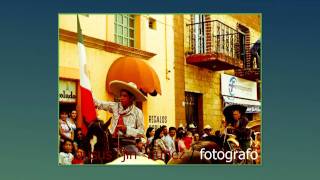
column 87, row 105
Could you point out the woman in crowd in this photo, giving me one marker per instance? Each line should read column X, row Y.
column 72, row 120
column 181, row 147
column 79, row 139
column 158, row 147
column 150, row 134
column 65, row 131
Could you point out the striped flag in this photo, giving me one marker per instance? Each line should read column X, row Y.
column 87, row 105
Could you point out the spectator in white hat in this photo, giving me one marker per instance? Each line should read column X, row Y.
column 207, row 131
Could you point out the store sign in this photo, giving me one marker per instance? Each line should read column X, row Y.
column 67, row 91
column 156, row 121
column 238, row 87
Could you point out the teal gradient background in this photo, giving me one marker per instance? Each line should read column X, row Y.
column 28, row 76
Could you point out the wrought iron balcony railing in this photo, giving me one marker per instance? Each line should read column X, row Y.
column 215, row 37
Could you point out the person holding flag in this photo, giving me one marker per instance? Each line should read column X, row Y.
column 127, row 120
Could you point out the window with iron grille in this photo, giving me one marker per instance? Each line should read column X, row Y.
column 124, row 29
column 199, row 33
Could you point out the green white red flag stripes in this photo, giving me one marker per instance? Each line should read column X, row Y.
column 87, row 105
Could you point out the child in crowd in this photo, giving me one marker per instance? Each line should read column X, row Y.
column 188, row 139
column 80, row 156
column 66, row 157
column 140, row 145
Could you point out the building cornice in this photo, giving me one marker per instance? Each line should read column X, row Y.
column 91, row 42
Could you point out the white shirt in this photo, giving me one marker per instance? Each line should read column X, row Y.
column 133, row 118
column 66, row 129
column 65, row 158
column 71, row 124
column 170, row 143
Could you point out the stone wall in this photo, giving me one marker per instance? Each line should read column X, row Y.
column 207, row 83
column 179, row 70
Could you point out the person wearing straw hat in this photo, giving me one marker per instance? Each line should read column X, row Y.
column 192, row 128
column 207, row 131
column 127, row 120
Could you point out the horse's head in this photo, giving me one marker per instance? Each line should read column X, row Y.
column 194, row 156
column 98, row 138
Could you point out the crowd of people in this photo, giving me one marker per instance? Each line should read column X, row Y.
column 164, row 143
column 72, row 150
column 161, row 143
column 158, row 144
column 126, row 127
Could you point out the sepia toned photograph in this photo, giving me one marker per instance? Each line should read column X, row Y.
column 159, row 89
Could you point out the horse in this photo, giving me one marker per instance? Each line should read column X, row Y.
column 103, row 150
column 98, row 143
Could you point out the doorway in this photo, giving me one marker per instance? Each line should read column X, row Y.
column 194, row 109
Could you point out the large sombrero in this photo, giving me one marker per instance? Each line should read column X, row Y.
column 116, row 86
column 253, row 124
column 228, row 110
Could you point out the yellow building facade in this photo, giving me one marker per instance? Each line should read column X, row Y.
column 202, row 82
column 155, row 39
column 160, row 40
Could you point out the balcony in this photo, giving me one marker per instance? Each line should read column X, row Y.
column 214, row 45
column 250, row 74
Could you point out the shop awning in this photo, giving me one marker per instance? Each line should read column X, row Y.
column 130, row 69
column 252, row 106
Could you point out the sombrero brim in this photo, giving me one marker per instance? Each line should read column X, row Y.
column 232, row 139
column 116, row 86
column 252, row 124
column 227, row 111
